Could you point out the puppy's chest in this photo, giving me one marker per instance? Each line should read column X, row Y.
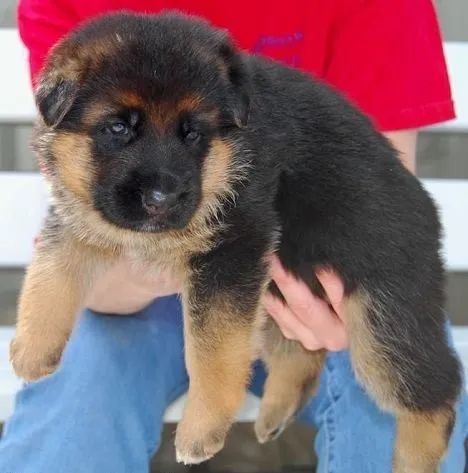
column 155, row 261
column 168, row 254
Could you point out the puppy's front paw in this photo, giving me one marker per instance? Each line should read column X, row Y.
column 31, row 361
column 197, row 442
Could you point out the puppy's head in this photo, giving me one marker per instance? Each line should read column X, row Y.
column 138, row 111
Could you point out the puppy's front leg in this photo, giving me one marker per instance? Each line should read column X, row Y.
column 51, row 296
column 220, row 309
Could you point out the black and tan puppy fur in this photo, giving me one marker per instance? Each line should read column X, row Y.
column 164, row 143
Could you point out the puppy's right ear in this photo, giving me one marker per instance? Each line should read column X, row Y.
column 55, row 96
column 238, row 100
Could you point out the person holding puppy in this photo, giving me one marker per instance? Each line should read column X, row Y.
column 123, row 384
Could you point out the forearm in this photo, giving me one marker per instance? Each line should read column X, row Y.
column 405, row 142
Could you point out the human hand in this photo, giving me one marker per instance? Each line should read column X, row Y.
column 305, row 317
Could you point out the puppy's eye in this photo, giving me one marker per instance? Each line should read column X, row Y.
column 192, row 136
column 118, row 128
column 189, row 134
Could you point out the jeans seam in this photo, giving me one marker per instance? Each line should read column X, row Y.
column 329, row 422
column 330, row 437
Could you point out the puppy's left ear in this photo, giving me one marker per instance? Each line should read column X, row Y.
column 59, row 80
column 55, row 96
column 238, row 102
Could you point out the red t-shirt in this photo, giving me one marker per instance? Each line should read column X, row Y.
column 386, row 56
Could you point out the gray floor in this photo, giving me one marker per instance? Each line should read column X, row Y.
column 242, row 454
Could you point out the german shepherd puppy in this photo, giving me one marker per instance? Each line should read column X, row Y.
column 164, row 143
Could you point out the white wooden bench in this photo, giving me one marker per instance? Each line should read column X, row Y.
column 23, row 199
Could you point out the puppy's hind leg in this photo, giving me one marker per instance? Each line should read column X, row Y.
column 404, row 361
column 292, row 377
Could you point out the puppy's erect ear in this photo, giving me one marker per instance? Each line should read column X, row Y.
column 55, row 96
column 237, row 107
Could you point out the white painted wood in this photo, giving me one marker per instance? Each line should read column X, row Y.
column 16, row 98
column 247, row 413
column 456, row 54
column 9, row 384
column 17, row 103
column 451, row 196
column 23, row 202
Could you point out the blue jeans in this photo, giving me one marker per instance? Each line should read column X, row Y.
column 102, row 410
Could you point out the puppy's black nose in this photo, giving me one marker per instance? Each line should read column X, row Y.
column 156, row 201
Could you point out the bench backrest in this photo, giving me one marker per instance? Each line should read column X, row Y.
column 23, row 196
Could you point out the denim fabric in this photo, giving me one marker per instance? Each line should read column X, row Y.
column 102, row 410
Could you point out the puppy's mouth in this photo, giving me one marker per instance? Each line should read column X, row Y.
column 132, row 212
column 159, row 220
column 164, row 221
column 153, row 227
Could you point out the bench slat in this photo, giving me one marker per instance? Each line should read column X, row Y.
column 9, row 384
column 23, row 203
column 451, row 197
column 17, row 103
column 456, row 55
column 16, row 98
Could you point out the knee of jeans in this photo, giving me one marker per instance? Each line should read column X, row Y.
column 112, row 344
column 336, row 378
